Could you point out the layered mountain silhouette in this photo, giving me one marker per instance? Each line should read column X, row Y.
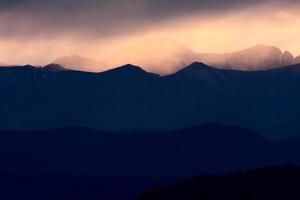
column 49, row 186
column 141, row 124
column 165, row 56
column 129, row 98
column 203, row 149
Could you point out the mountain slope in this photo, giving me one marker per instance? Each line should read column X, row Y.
column 129, row 98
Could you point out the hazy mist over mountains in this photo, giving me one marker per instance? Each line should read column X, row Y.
column 256, row 58
column 79, row 63
column 164, row 56
column 161, row 56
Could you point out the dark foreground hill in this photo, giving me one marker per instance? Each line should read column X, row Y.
column 260, row 184
column 198, row 150
column 52, row 186
column 80, row 163
column 129, row 98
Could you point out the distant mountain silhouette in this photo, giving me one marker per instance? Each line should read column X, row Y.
column 165, row 56
column 260, row 184
column 76, row 62
column 129, row 98
column 256, row 58
column 54, row 68
column 297, row 59
column 201, row 149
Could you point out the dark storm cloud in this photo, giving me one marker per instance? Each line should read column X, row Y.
column 103, row 17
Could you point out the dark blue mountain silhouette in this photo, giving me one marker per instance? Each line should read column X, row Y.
column 54, row 68
column 129, row 98
column 49, row 186
column 199, row 150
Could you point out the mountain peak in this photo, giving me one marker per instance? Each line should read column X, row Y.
column 131, row 67
column 54, row 68
column 128, row 71
column 128, row 68
column 297, row 60
column 287, row 58
column 195, row 67
column 288, row 53
column 28, row 66
column 264, row 47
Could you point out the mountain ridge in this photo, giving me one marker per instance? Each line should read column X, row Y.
column 202, row 149
column 133, row 99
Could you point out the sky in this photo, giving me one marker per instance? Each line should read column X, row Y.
column 39, row 31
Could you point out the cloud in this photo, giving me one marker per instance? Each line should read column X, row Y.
column 38, row 31
column 104, row 18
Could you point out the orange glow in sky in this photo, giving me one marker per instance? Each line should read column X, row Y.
column 207, row 32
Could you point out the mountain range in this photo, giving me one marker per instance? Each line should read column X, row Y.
column 66, row 133
column 164, row 56
column 129, row 98
column 81, row 163
column 202, row 149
